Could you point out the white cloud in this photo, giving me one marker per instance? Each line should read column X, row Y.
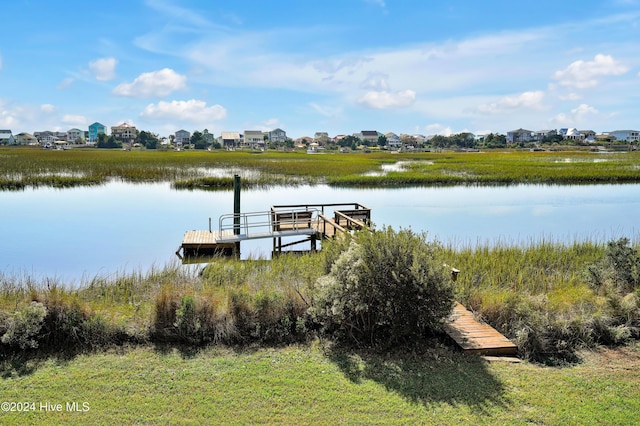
column 327, row 111
column 577, row 116
column 65, row 83
column 7, row 117
column 526, row 100
column 47, row 108
column 152, row 84
column 103, row 69
column 191, row 110
column 384, row 99
column 74, row 119
column 570, row 97
column 438, row 129
column 585, row 74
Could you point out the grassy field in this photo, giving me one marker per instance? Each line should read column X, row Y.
column 315, row 384
column 23, row 167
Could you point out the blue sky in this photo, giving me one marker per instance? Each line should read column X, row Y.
column 338, row 66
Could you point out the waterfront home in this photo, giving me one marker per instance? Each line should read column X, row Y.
column 6, row 137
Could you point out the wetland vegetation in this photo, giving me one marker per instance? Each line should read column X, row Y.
column 24, row 167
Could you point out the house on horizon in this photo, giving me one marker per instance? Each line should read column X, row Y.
column 539, row 135
column 277, row 135
column 26, row 139
column 6, row 137
column 321, row 138
column 182, row 137
column 519, row 136
column 368, row 137
column 95, row 130
column 208, row 137
column 74, row 135
column 253, row 139
column 625, row 135
column 229, row 139
column 125, row 133
column 574, row 135
column 393, row 140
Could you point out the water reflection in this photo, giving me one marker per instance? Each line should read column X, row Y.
column 120, row 227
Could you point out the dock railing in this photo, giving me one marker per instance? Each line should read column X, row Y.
column 267, row 224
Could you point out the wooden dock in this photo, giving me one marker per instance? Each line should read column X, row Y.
column 473, row 336
column 307, row 221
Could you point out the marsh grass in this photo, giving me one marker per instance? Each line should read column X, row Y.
column 22, row 168
column 537, row 293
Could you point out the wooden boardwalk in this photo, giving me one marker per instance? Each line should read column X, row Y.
column 475, row 337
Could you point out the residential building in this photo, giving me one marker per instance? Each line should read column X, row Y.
column 588, row 134
column 96, row 129
column 74, row 135
column 541, row 134
column 625, row 135
column 278, row 135
column 125, row 133
column 321, row 138
column 574, row 135
column 208, row 137
column 6, row 137
column 49, row 137
column 519, row 136
column 229, row 139
column 25, row 139
column 253, row 139
column 393, row 140
column 369, row 137
column 182, row 137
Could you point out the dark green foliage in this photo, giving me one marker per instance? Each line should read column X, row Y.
column 387, row 288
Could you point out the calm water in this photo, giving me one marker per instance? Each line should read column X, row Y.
column 76, row 234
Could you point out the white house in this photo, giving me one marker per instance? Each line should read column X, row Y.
column 182, row 137
column 6, row 137
column 253, row 139
column 574, row 134
column 74, row 134
column 393, row 140
column 625, row 135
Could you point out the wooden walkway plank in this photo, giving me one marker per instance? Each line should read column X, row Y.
column 475, row 337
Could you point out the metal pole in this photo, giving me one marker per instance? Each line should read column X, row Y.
column 236, row 205
column 236, row 211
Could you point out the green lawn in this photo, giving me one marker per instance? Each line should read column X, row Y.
column 315, row 384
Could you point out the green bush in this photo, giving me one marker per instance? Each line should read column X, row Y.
column 24, row 327
column 188, row 323
column 386, row 288
column 620, row 268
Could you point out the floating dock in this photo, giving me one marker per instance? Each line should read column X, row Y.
column 473, row 336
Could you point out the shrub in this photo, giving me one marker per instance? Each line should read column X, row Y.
column 387, row 287
column 620, row 268
column 24, row 327
column 187, row 323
